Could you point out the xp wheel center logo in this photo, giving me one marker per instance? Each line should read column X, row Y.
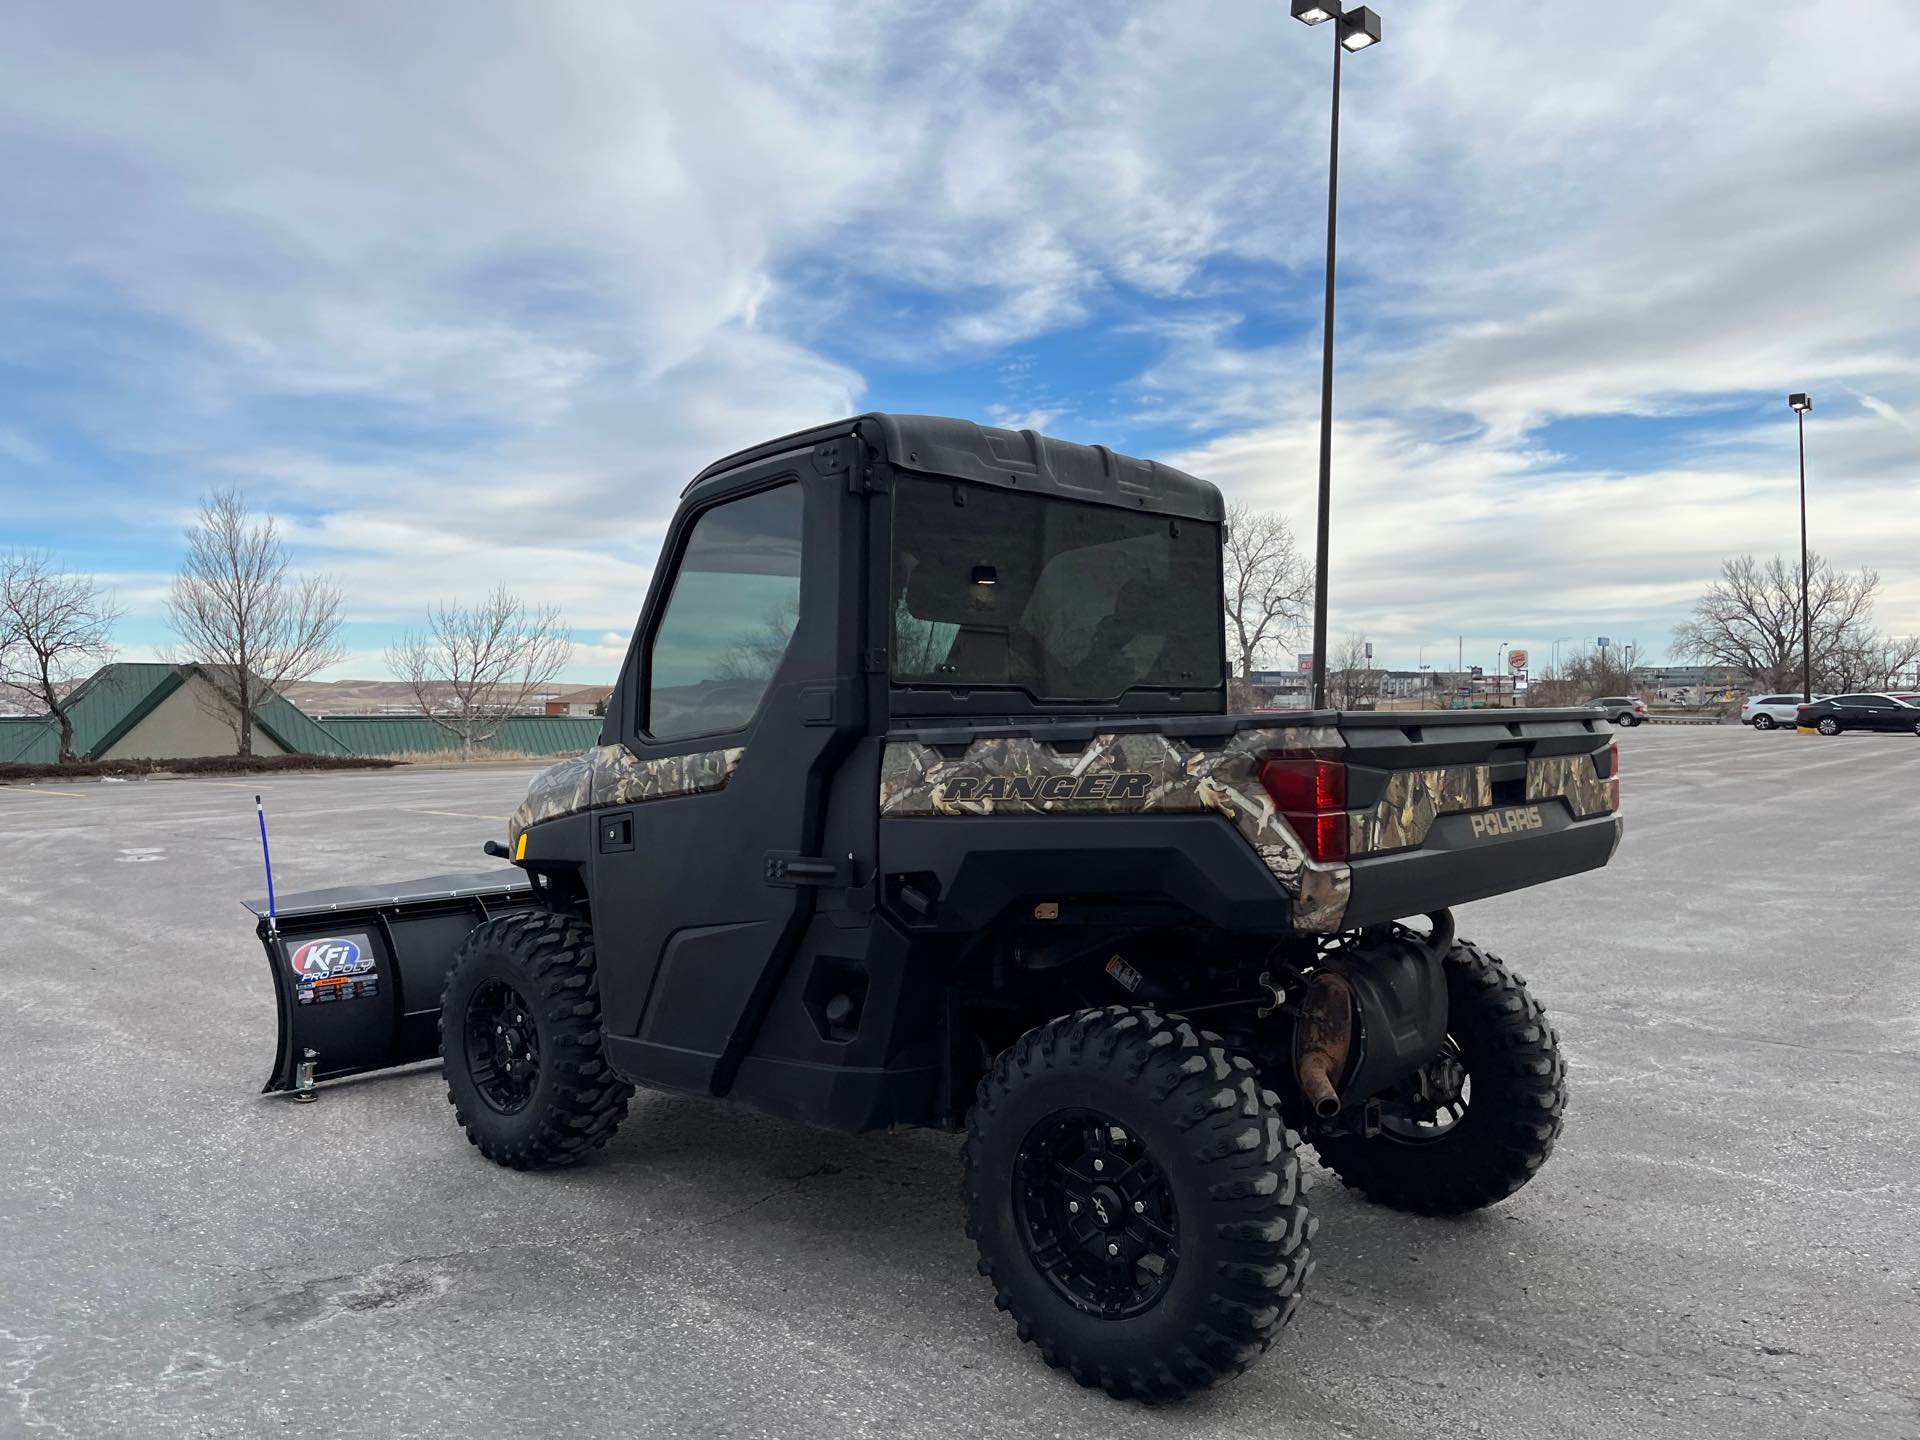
column 323, row 959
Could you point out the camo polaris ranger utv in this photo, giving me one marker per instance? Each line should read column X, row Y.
column 919, row 803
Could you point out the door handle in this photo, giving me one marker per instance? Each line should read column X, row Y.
column 790, row 868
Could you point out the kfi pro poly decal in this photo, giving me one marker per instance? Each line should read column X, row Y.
column 336, row 967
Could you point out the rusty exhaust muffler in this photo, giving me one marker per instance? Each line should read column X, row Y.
column 1326, row 1037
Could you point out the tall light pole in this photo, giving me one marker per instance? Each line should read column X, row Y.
column 1354, row 29
column 1800, row 404
column 1556, row 653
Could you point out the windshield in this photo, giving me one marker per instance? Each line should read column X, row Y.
column 1063, row 600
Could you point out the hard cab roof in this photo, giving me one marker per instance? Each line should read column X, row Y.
column 1019, row 460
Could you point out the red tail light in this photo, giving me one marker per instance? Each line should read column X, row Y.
column 1613, row 785
column 1311, row 795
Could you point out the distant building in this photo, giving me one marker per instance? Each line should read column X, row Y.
column 133, row 711
column 157, row 712
column 589, row 700
column 1689, row 684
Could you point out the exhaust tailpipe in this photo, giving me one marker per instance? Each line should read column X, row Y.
column 1326, row 1038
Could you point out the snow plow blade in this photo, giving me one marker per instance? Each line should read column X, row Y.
column 358, row 971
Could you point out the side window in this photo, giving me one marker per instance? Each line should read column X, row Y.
column 729, row 617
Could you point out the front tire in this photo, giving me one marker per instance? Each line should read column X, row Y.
column 1136, row 1200
column 520, row 1033
column 1480, row 1119
column 1828, row 725
column 1763, row 722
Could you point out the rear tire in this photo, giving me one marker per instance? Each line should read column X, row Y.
column 1828, row 725
column 1763, row 722
column 1135, row 1196
column 1508, row 1122
column 520, row 1033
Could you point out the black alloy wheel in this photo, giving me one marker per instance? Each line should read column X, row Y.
column 1429, row 1103
column 526, row 1065
column 1096, row 1214
column 503, row 1047
column 1136, row 1198
column 1478, row 1120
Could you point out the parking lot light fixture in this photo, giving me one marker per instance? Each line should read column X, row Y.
column 1315, row 12
column 1359, row 29
column 1800, row 403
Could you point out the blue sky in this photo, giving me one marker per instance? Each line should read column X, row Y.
column 464, row 292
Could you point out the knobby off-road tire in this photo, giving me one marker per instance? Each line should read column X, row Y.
column 550, row 1097
column 1513, row 1111
column 1203, row 1168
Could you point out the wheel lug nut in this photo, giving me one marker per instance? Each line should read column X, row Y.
column 1113, row 1249
column 1073, row 1207
column 1139, row 1207
column 1099, row 1164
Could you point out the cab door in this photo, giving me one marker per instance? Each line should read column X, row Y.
column 737, row 706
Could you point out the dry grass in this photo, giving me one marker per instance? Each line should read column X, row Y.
column 198, row 765
column 479, row 757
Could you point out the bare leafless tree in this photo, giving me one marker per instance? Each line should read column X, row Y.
column 1749, row 621
column 1269, row 584
column 250, row 625
column 1593, row 673
column 55, row 628
column 1350, row 672
column 474, row 666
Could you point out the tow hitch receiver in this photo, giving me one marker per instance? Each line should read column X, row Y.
column 358, row 971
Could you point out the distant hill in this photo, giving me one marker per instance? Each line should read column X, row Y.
column 395, row 697
column 351, row 697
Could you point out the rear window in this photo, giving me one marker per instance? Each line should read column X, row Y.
column 1063, row 600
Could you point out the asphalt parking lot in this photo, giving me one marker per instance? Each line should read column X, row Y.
column 1724, row 1244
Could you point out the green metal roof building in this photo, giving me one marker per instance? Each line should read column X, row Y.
column 157, row 712
column 173, row 712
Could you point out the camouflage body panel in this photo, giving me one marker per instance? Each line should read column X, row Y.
column 614, row 775
column 1573, row 778
column 1413, row 800
column 1127, row 775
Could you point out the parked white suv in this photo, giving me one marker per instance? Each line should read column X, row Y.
column 1763, row 712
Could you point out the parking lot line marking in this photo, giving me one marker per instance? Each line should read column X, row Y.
column 453, row 814
column 43, row 794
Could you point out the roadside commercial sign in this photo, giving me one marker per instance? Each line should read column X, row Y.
column 1306, row 663
column 1516, row 659
column 1478, row 671
column 1466, row 692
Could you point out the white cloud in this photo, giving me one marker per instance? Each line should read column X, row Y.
column 467, row 292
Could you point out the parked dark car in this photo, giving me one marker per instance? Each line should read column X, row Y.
column 1859, row 712
column 1621, row 709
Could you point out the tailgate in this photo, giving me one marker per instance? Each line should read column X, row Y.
column 1453, row 806
column 358, row 971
